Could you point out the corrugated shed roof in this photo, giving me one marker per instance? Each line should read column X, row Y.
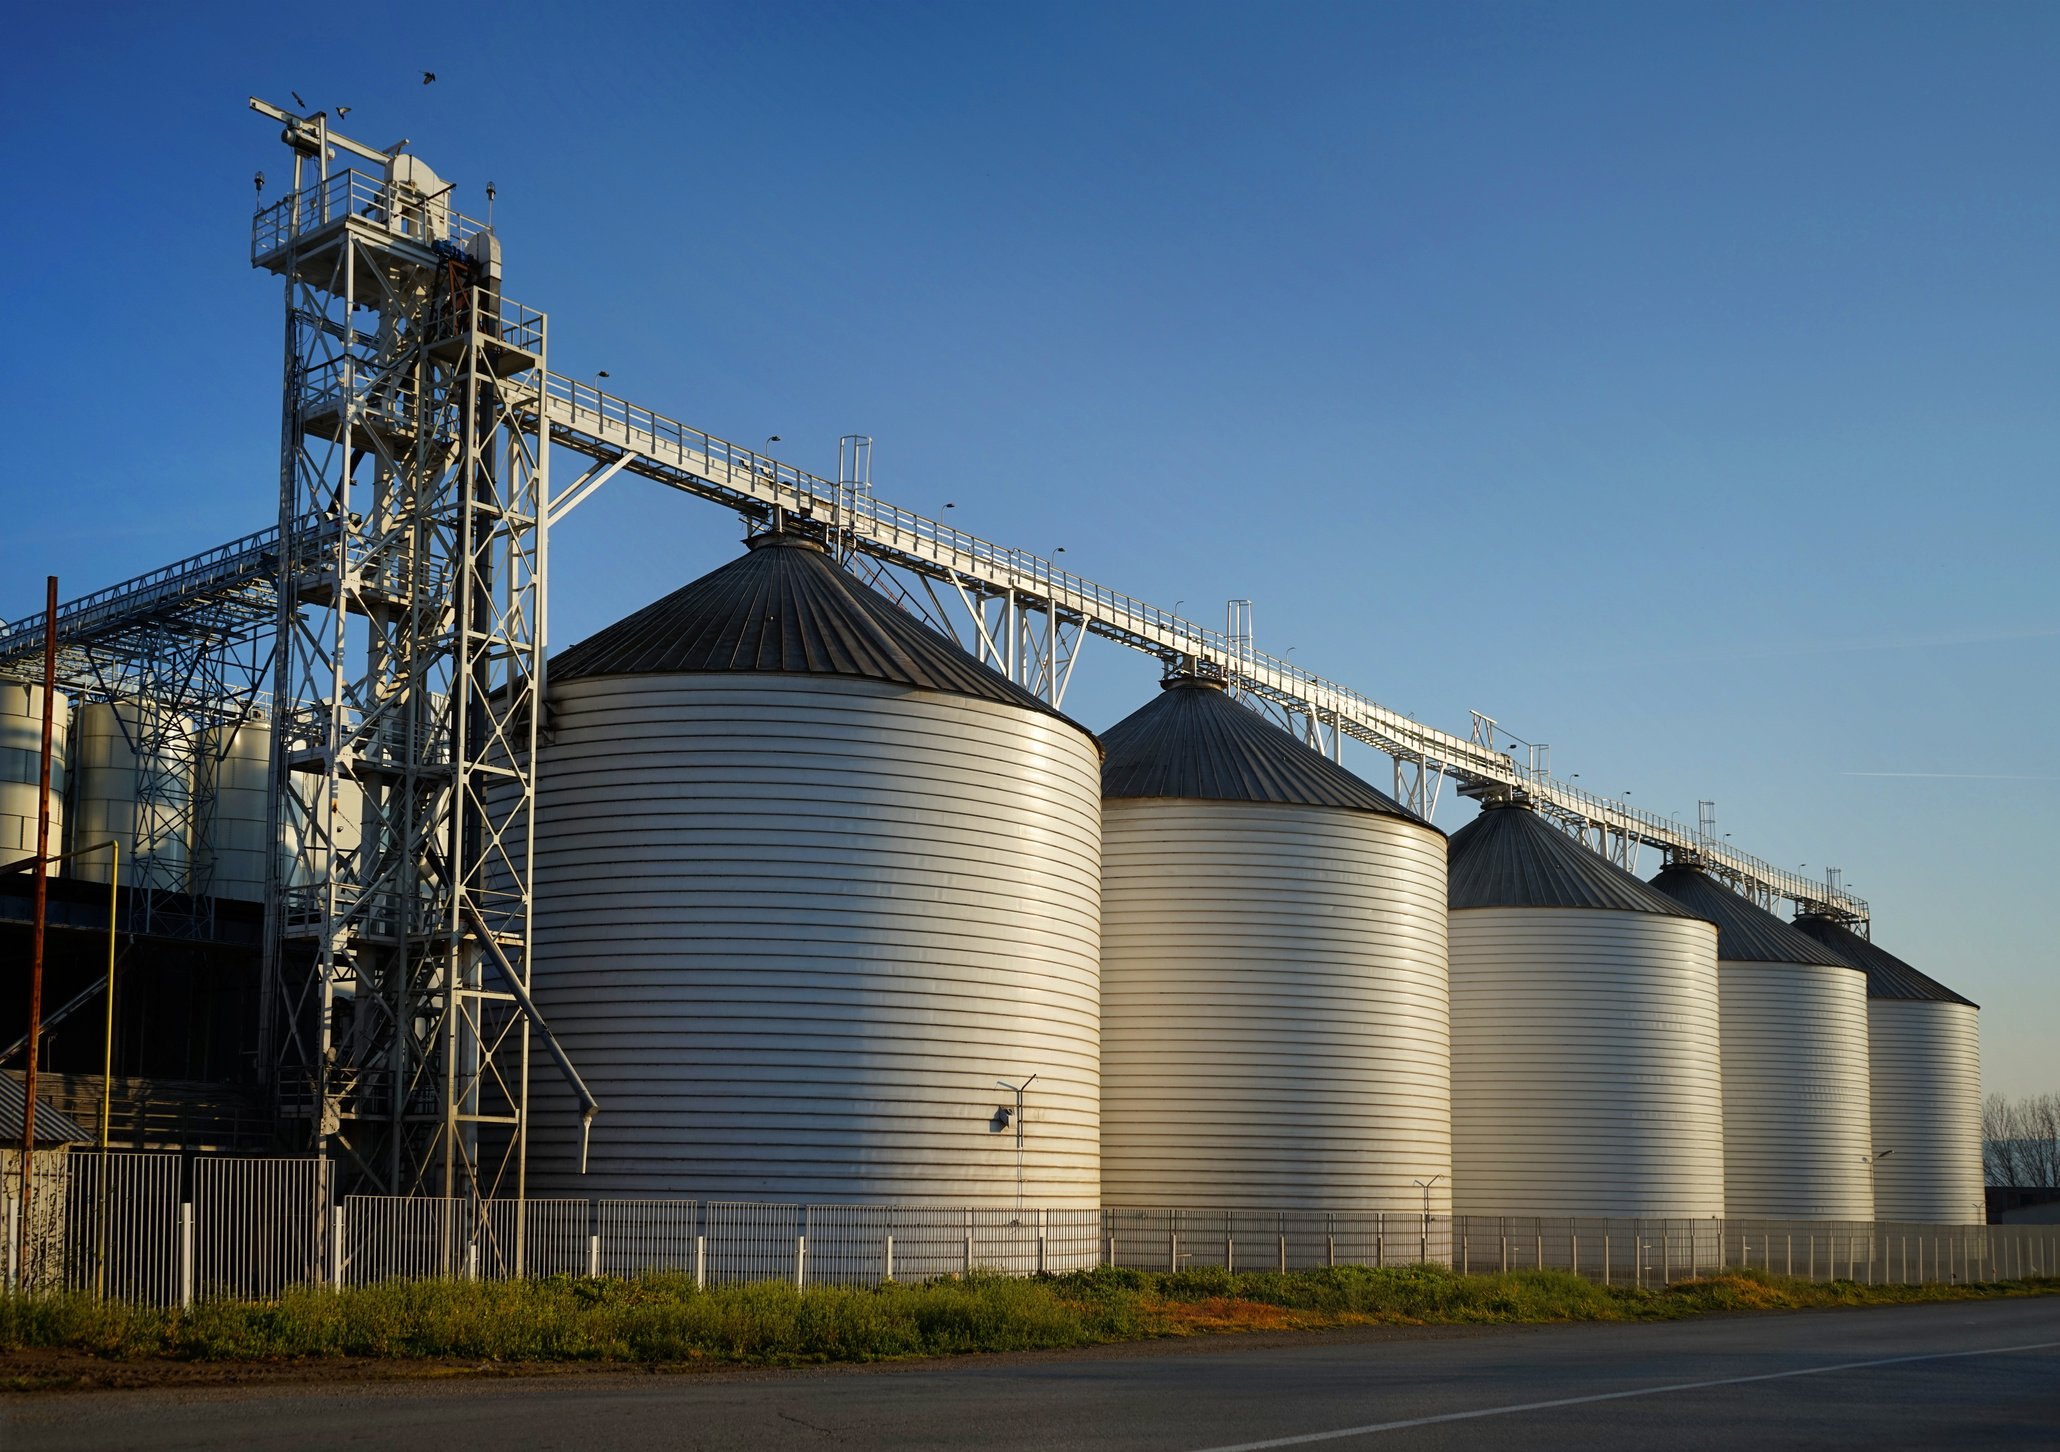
column 1746, row 932
column 1509, row 857
column 1193, row 741
column 785, row 607
column 1887, row 975
column 51, row 1126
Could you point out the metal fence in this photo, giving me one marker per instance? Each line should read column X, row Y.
column 165, row 1229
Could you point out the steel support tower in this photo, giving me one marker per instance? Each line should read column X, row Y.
column 410, row 648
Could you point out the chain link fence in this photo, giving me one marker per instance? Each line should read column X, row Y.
column 162, row 1229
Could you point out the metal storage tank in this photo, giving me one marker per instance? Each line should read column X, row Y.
column 21, row 761
column 1275, row 1027
column 1586, row 1072
column 1924, row 1060
column 142, row 799
column 1794, row 1029
column 235, row 836
column 809, row 881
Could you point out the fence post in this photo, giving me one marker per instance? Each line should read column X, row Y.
column 1605, row 1252
column 700, row 1262
column 1330, row 1251
column 1666, row 1256
column 801, row 1260
column 336, row 1256
column 1173, row 1250
column 887, row 1258
column 593, row 1256
column 186, row 1254
column 1040, row 1252
column 1230, row 1253
column 1573, row 1245
column 1283, row 1254
column 14, row 1239
column 1110, row 1249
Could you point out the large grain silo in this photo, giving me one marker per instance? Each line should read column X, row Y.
column 1586, row 1070
column 234, row 837
column 1275, row 1030
column 811, row 883
column 21, row 767
column 1924, row 1062
column 1794, row 1027
column 134, row 784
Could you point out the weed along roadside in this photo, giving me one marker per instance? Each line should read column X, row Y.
column 668, row 1321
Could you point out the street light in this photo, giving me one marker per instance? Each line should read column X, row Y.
column 1423, row 1234
column 1017, row 1120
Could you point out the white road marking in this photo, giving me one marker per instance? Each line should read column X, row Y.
column 1650, row 1391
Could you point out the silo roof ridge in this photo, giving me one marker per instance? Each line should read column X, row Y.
column 787, row 608
column 1887, row 975
column 1193, row 741
column 1509, row 857
column 1746, row 932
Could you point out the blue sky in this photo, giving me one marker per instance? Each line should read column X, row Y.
column 1675, row 383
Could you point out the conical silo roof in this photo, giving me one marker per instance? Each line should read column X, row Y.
column 1887, row 975
column 1746, row 932
column 1194, row 742
column 786, row 608
column 1509, row 857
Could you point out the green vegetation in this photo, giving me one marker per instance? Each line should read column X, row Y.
column 667, row 1320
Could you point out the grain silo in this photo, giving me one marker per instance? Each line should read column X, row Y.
column 1924, row 1063
column 1586, row 1073
column 1794, row 1029
column 811, row 883
column 234, row 836
column 133, row 771
column 21, row 767
column 1275, row 1028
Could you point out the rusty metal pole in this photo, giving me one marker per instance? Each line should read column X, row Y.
column 28, row 1110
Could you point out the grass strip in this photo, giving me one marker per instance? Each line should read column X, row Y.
column 665, row 1319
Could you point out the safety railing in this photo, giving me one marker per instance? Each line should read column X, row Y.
column 160, row 1229
column 353, row 193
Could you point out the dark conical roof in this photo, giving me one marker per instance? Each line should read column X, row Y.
column 1510, row 857
column 1194, row 741
column 1746, row 932
column 786, row 608
column 1887, row 975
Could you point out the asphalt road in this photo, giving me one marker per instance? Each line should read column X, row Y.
column 1972, row 1374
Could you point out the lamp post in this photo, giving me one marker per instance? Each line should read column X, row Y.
column 1017, row 1120
column 1423, row 1239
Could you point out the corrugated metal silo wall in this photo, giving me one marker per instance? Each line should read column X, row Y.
column 235, row 836
column 21, row 752
column 1925, row 1058
column 793, row 929
column 1586, row 1073
column 1796, row 1113
column 1275, row 1026
column 111, row 778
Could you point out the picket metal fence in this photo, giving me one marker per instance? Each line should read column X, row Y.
column 165, row 1229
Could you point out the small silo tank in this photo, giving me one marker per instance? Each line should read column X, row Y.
column 1587, row 1077
column 1275, row 1030
column 21, row 767
column 133, row 762
column 235, row 839
column 809, row 882
column 1924, row 1066
column 1794, row 1028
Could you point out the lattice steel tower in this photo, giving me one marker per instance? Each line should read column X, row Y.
column 410, row 652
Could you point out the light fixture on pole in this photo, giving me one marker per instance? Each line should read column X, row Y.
column 1016, row 1118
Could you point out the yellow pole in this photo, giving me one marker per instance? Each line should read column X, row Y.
column 114, row 878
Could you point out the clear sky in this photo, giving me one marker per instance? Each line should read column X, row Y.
column 1676, row 383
